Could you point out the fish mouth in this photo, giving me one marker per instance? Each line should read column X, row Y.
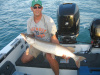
column 23, row 35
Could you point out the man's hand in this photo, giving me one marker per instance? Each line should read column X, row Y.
column 64, row 57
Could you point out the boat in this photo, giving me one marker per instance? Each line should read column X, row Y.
column 68, row 29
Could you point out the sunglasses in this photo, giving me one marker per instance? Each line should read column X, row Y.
column 39, row 7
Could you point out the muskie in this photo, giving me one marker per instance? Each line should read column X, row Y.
column 52, row 48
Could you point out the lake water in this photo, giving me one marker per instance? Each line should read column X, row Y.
column 14, row 15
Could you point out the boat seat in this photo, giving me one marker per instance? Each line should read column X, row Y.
column 9, row 69
column 36, row 62
column 41, row 62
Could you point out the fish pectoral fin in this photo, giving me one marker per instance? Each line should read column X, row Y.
column 71, row 49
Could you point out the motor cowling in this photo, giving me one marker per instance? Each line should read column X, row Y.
column 95, row 32
column 68, row 18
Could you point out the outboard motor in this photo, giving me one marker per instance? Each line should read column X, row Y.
column 68, row 18
column 95, row 33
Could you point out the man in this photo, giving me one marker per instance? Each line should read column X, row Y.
column 41, row 27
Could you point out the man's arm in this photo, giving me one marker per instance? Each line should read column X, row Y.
column 54, row 39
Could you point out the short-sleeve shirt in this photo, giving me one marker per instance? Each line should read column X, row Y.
column 43, row 29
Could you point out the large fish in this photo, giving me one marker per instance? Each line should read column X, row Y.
column 52, row 48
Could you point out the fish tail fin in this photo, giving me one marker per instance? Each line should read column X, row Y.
column 78, row 59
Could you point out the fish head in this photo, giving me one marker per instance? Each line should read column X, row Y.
column 27, row 38
column 24, row 36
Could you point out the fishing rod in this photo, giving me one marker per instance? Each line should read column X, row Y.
column 12, row 25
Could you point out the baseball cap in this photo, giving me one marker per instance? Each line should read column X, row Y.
column 36, row 2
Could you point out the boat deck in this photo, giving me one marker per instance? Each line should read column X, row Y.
column 92, row 60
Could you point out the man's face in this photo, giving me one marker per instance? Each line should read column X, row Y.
column 37, row 10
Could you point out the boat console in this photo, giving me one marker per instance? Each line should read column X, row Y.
column 68, row 18
column 95, row 32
